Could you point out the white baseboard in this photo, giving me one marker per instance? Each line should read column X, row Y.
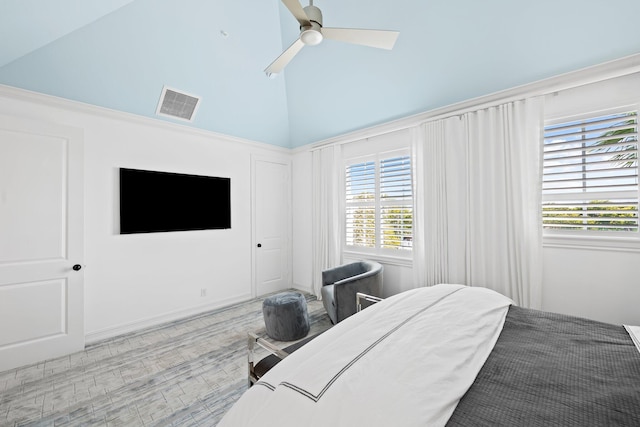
column 125, row 328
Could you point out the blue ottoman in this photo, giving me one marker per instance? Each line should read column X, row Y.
column 285, row 316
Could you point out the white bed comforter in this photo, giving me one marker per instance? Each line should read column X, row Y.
column 404, row 361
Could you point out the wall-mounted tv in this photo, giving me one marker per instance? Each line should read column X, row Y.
column 152, row 202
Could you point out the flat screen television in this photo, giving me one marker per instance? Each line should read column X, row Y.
column 153, row 202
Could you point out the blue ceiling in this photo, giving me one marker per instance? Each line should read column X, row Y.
column 119, row 54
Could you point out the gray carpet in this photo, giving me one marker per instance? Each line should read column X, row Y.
column 185, row 373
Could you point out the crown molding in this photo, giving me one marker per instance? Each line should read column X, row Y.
column 103, row 112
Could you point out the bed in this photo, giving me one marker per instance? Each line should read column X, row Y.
column 452, row 355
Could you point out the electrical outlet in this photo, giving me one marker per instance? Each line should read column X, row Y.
column 203, row 292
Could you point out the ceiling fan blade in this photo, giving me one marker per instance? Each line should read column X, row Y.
column 282, row 60
column 375, row 38
column 297, row 11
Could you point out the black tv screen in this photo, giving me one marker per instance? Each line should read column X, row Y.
column 152, row 202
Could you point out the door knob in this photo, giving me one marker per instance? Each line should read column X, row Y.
column 259, row 245
column 77, row 267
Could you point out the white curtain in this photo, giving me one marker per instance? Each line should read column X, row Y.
column 327, row 202
column 477, row 208
column 439, row 200
column 504, row 227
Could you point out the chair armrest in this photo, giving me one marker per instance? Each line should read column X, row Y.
column 356, row 277
column 366, row 297
column 346, row 271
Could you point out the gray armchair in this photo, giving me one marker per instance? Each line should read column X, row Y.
column 340, row 285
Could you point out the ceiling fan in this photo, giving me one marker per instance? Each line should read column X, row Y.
column 312, row 33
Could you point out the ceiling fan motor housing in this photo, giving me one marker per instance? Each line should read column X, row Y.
column 314, row 14
column 311, row 35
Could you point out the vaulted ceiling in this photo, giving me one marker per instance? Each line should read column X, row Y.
column 119, row 54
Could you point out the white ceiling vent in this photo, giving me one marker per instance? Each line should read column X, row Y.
column 178, row 105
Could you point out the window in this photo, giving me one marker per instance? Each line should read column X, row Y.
column 590, row 175
column 379, row 203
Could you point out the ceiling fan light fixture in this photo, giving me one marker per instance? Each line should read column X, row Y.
column 311, row 37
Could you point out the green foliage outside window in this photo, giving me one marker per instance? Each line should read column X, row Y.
column 396, row 225
column 598, row 217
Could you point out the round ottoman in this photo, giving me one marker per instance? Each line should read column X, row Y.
column 285, row 316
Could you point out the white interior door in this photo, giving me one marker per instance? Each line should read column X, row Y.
column 272, row 225
column 41, row 240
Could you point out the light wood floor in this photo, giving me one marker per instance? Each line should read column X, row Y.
column 185, row 373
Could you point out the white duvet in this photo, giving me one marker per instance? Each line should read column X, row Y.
column 404, row 361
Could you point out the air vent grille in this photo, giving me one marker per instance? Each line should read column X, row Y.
column 178, row 105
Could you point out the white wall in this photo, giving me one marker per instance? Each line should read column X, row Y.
column 598, row 284
column 137, row 280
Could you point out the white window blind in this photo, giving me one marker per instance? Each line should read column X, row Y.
column 360, row 222
column 396, row 203
column 379, row 203
column 590, row 174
